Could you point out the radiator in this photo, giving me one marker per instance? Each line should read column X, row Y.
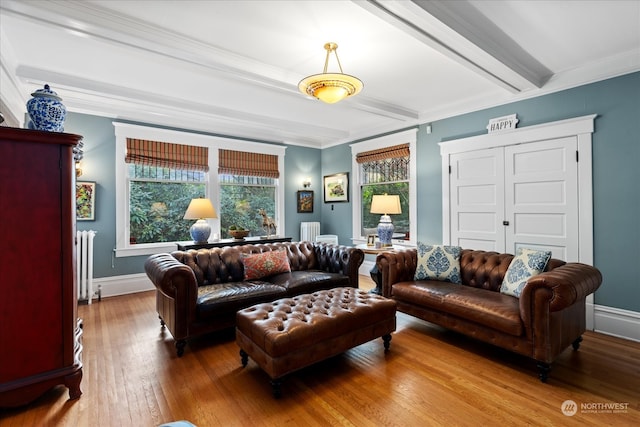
column 84, row 264
column 309, row 231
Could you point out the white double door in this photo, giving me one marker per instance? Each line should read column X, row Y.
column 523, row 195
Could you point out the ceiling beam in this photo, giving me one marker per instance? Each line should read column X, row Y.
column 459, row 31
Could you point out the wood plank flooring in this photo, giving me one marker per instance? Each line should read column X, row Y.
column 430, row 377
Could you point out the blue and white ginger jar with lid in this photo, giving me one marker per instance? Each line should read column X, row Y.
column 46, row 110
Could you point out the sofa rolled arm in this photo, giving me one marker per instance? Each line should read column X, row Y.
column 170, row 276
column 397, row 266
column 345, row 260
column 560, row 288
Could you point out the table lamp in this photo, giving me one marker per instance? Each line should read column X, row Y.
column 385, row 204
column 200, row 209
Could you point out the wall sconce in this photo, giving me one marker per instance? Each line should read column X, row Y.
column 78, row 170
column 306, row 183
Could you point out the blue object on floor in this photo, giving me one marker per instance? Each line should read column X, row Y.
column 181, row 423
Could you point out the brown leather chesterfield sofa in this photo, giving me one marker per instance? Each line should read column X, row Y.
column 545, row 320
column 200, row 291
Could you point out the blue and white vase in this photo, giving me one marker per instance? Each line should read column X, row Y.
column 46, row 110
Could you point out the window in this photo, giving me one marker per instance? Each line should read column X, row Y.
column 384, row 165
column 156, row 180
column 247, row 185
column 158, row 199
column 242, row 197
column 386, row 175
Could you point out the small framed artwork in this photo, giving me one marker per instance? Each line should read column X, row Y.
column 85, row 201
column 371, row 239
column 336, row 188
column 305, row 201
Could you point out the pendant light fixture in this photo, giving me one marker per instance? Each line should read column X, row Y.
column 330, row 87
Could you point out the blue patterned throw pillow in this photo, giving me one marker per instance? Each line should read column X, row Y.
column 526, row 264
column 438, row 262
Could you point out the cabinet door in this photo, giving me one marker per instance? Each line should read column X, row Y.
column 477, row 199
column 541, row 197
column 30, row 307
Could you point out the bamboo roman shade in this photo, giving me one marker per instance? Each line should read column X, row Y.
column 232, row 162
column 401, row 150
column 168, row 155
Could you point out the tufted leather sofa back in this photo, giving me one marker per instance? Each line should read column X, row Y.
column 223, row 265
column 486, row 270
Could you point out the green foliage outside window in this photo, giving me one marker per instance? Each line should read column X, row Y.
column 239, row 206
column 156, row 210
column 400, row 221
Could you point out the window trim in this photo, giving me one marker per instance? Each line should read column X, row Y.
column 123, row 248
column 403, row 137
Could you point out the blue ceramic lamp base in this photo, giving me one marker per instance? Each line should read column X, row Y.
column 385, row 230
column 200, row 231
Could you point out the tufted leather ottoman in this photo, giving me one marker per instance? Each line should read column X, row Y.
column 292, row 333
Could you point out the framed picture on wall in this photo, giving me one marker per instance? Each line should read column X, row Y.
column 305, row 201
column 336, row 187
column 85, row 201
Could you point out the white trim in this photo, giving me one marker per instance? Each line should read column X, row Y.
column 550, row 130
column 617, row 322
column 397, row 138
column 123, row 285
column 123, row 131
column 366, row 266
column 580, row 127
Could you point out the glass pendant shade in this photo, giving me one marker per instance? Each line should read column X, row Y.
column 330, row 87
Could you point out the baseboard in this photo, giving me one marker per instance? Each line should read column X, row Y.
column 122, row 285
column 617, row 322
column 366, row 267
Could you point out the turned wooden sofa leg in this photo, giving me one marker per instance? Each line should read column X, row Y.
column 387, row 342
column 180, row 345
column 543, row 371
column 576, row 343
column 162, row 324
column 276, row 386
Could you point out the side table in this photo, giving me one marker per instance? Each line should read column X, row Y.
column 376, row 276
column 184, row 246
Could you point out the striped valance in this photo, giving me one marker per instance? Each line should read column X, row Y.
column 232, row 162
column 167, row 155
column 401, row 150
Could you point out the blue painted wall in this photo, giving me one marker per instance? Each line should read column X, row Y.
column 616, row 179
column 337, row 217
column 300, row 163
column 616, row 173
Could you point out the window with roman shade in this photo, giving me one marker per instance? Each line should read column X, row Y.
column 232, row 162
column 167, row 155
column 248, row 183
column 385, row 165
column 163, row 177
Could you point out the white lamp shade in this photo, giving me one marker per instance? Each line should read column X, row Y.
column 386, row 204
column 200, row 208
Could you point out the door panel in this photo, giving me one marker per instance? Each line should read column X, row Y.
column 541, row 197
column 477, row 199
column 523, row 195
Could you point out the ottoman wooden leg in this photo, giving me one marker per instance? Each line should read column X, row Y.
column 277, row 388
column 244, row 358
column 387, row 341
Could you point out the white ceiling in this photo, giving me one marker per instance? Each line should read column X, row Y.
column 232, row 67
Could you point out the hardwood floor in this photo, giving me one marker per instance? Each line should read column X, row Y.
column 430, row 377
